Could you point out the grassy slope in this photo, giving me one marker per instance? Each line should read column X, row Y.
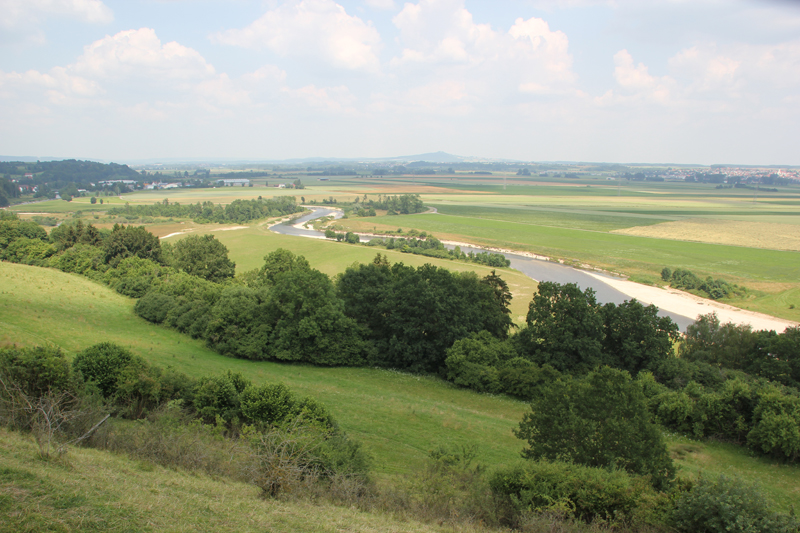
column 397, row 416
column 90, row 490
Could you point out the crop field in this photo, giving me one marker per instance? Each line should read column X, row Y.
column 398, row 416
column 751, row 234
column 616, row 252
column 634, row 228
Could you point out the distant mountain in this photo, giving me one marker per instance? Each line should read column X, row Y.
column 431, row 157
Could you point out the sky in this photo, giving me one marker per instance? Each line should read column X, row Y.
column 626, row 81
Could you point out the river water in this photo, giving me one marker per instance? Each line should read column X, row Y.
column 536, row 269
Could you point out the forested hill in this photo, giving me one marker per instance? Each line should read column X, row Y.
column 71, row 170
column 45, row 178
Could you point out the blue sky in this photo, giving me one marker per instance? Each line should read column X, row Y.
column 661, row 81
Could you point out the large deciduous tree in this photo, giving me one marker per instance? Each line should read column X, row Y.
column 565, row 329
column 131, row 241
column 413, row 315
column 599, row 420
column 203, row 256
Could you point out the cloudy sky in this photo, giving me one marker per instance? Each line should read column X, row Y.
column 680, row 81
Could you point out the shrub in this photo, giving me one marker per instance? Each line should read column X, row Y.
column 728, row 505
column 776, row 425
column 154, row 307
column 102, row 364
column 28, row 251
column 267, row 404
column 473, row 362
column 584, row 492
column 35, row 370
column 217, row 396
column 80, row 259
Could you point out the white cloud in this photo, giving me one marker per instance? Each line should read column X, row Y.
column 139, row 53
column 636, row 80
column 311, row 28
column 444, row 49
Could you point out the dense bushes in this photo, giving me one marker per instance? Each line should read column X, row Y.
column 287, row 311
column 761, row 415
column 760, row 353
column 727, row 505
column 570, row 490
column 36, row 370
column 715, row 289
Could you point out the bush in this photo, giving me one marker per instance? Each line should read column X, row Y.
column 154, row 307
column 776, row 425
column 80, row 259
column 103, row 364
column 583, row 492
column 217, row 396
column 28, row 252
column 727, row 505
column 35, row 370
column 473, row 362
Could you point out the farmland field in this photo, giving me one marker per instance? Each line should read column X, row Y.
column 633, row 228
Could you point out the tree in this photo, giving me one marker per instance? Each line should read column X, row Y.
column 635, row 338
column 564, row 328
column 131, row 241
column 280, row 261
column 203, row 256
column 599, row 420
column 413, row 315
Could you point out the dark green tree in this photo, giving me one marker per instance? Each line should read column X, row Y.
column 131, row 241
column 598, row 420
column 635, row 338
column 203, row 256
column 103, row 364
column 565, row 329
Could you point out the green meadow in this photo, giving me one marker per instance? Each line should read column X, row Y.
column 247, row 248
column 399, row 417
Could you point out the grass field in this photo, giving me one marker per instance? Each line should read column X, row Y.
column 398, row 417
column 92, row 490
column 247, row 247
column 617, row 252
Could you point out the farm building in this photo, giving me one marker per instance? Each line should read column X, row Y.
column 240, row 182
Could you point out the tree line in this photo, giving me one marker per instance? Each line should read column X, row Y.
column 238, row 211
